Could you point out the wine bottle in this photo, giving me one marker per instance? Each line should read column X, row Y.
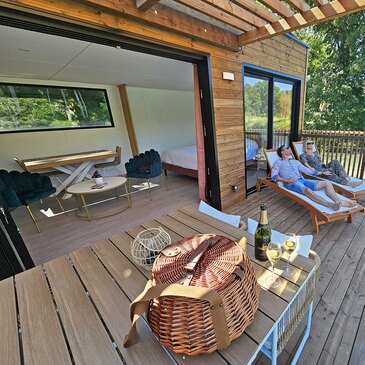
column 262, row 235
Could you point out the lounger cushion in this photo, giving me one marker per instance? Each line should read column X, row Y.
column 304, row 242
column 233, row 220
column 318, row 206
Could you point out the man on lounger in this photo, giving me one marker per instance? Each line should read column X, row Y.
column 288, row 171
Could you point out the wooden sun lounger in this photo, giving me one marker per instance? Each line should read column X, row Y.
column 342, row 189
column 318, row 217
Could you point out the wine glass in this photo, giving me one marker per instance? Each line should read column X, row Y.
column 289, row 245
column 273, row 252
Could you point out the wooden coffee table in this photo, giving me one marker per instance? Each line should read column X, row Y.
column 80, row 190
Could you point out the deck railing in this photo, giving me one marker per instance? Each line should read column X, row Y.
column 280, row 137
column 348, row 147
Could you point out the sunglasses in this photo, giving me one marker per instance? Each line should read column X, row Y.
column 308, row 143
column 285, row 148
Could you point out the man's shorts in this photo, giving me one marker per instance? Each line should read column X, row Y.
column 299, row 185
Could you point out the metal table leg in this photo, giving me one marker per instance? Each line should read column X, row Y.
column 85, row 207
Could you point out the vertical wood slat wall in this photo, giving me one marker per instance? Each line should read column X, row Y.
column 281, row 54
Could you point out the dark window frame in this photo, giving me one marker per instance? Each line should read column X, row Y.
column 272, row 76
column 32, row 130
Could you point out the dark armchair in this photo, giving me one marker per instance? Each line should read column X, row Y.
column 23, row 188
column 145, row 166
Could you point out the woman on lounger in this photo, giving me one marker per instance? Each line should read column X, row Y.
column 289, row 172
column 336, row 173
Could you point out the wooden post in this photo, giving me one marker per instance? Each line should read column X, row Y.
column 128, row 119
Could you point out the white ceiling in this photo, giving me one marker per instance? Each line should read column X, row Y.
column 31, row 55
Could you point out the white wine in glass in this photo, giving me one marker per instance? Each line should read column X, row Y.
column 273, row 252
column 289, row 245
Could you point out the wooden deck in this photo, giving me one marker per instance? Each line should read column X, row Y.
column 338, row 328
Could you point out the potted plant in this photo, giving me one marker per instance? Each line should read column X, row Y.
column 97, row 178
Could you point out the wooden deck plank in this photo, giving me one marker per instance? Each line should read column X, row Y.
column 170, row 223
column 42, row 337
column 88, row 339
column 111, row 303
column 331, row 300
column 124, row 272
column 344, row 331
column 123, row 242
column 175, row 237
column 358, row 352
column 9, row 344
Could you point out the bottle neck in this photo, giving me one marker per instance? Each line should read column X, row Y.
column 263, row 217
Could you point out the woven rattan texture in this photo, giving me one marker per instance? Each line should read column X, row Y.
column 185, row 325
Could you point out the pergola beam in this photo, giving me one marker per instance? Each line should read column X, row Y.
column 230, row 8
column 166, row 18
column 145, row 4
column 205, row 8
column 257, row 9
column 299, row 5
column 277, row 7
column 313, row 16
column 320, row 2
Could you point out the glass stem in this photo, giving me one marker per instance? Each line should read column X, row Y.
column 287, row 263
column 272, row 272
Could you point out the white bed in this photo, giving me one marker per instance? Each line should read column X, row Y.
column 184, row 160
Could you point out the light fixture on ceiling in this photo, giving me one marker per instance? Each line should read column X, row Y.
column 155, row 11
column 118, row 47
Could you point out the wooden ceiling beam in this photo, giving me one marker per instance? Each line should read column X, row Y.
column 229, row 7
column 215, row 13
column 162, row 16
column 320, row 2
column 299, row 5
column 257, row 9
column 313, row 16
column 145, row 4
column 278, row 7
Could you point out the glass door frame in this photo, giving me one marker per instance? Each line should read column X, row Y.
column 272, row 76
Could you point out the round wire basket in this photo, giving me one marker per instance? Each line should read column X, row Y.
column 147, row 246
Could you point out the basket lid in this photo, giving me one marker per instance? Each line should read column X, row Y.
column 216, row 268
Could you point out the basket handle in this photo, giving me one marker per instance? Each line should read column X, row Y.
column 199, row 252
column 141, row 305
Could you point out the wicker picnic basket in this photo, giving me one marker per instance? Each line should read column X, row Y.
column 202, row 295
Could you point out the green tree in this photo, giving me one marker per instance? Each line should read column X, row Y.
column 335, row 96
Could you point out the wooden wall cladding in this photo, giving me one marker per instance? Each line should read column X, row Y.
column 281, row 54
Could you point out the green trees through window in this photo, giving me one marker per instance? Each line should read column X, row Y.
column 36, row 107
column 256, row 103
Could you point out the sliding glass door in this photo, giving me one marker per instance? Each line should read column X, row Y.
column 282, row 113
column 271, row 109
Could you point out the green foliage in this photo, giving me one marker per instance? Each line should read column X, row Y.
column 256, row 105
column 335, row 98
column 25, row 107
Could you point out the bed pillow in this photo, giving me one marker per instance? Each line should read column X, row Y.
column 233, row 220
column 304, row 242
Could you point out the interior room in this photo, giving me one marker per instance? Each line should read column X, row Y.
column 160, row 94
